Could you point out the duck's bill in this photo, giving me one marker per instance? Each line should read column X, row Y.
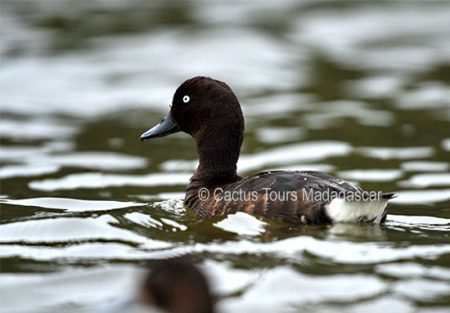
column 166, row 127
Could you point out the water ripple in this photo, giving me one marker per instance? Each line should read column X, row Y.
column 422, row 196
column 242, row 224
column 71, row 205
column 100, row 180
column 287, row 287
column 427, row 180
column 69, row 229
column 376, row 175
column 387, row 153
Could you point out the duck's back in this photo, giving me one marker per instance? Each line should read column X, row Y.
column 300, row 196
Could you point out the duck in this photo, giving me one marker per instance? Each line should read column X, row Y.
column 209, row 111
column 172, row 285
column 176, row 286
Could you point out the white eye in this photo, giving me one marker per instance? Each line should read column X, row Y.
column 186, row 99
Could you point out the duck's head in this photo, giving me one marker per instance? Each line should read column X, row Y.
column 202, row 107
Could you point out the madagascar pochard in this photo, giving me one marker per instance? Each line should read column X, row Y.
column 209, row 111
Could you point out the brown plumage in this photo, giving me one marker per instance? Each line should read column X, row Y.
column 177, row 286
column 210, row 112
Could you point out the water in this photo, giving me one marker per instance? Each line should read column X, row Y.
column 356, row 89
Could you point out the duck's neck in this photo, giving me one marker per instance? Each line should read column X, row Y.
column 218, row 153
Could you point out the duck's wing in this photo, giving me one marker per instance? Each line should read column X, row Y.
column 303, row 196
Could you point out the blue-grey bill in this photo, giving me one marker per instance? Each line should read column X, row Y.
column 166, row 127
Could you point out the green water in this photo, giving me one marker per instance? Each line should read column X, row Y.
column 356, row 89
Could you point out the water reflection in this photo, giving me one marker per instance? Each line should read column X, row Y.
column 72, row 205
column 99, row 180
column 359, row 90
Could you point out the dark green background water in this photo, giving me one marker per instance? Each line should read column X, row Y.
column 356, row 89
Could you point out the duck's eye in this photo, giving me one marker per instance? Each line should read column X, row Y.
column 186, row 99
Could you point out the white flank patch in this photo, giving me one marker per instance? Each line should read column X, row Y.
column 340, row 210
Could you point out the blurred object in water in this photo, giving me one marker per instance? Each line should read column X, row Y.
column 177, row 286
